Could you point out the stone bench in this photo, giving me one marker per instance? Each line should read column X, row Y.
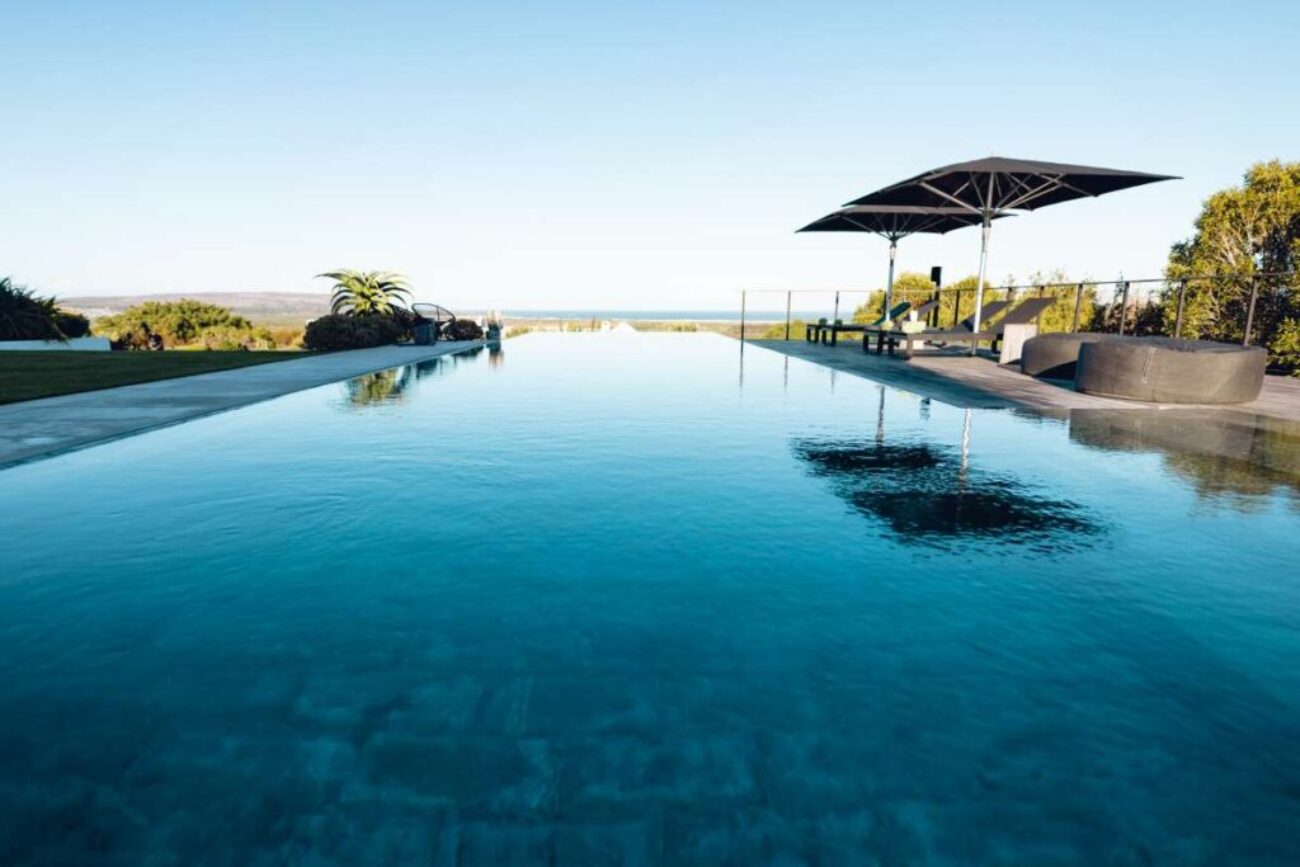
column 1167, row 370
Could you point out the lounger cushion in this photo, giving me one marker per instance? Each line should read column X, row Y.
column 1166, row 370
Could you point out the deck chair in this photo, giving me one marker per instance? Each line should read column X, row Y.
column 834, row 330
column 963, row 332
column 880, row 331
column 1023, row 314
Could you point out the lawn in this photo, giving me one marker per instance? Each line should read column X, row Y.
column 29, row 375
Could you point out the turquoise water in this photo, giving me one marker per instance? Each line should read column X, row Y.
column 618, row 599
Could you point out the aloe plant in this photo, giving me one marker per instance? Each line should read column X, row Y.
column 24, row 316
column 362, row 292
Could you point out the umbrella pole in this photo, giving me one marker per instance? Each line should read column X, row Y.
column 889, row 287
column 979, row 284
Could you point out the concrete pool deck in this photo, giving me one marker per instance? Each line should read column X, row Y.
column 39, row 428
column 977, row 383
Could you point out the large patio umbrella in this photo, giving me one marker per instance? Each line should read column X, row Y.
column 990, row 187
column 894, row 222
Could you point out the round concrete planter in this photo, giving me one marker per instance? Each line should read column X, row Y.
column 1165, row 370
column 1055, row 355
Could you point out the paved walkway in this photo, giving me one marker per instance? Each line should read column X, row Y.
column 39, row 428
column 978, row 382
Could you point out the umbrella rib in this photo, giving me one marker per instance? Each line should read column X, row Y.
column 1022, row 185
column 1062, row 182
column 863, row 226
column 952, row 198
column 1050, row 184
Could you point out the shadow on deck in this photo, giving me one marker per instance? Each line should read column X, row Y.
column 980, row 383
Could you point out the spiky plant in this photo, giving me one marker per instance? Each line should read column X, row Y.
column 24, row 316
column 362, row 292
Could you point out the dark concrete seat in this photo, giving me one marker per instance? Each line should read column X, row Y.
column 1055, row 355
column 1166, row 370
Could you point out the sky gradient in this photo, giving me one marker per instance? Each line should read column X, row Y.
column 604, row 155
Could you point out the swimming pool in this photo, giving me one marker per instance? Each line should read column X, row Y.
column 623, row 599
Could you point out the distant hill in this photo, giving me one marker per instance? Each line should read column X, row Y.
column 262, row 308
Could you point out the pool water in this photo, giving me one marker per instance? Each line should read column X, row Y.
column 633, row 599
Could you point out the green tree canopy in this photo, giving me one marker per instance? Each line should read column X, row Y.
column 1241, row 232
column 910, row 286
column 1060, row 316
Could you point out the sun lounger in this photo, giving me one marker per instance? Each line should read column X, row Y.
column 1023, row 314
column 962, row 333
column 833, row 331
column 879, row 331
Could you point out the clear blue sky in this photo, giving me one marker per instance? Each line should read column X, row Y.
column 603, row 154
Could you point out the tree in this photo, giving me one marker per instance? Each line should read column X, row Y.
column 908, row 286
column 958, row 300
column 176, row 322
column 1241, row 232
column 364, row 292
column 1060, row 316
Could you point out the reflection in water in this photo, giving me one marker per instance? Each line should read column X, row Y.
column 1234, row 457
column 838, row 459
column 927, row 495
column 382, row 386
column 388, row 387
column 996, row 508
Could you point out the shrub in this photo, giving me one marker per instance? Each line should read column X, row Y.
column 187, row 323
column 177, row 322
column 462, row 329
column 777, row 332
column 344, row 331
column 287, row 336
column 24, row 316
column 1285, row 346
column 227, row 339
column 135, row 337
column 71, row 324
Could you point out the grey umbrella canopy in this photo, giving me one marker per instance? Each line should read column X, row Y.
column 989, row 187
column 894, row 222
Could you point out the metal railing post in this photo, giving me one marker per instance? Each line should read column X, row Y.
column 837, row 307
column 787, row 315
column 1123, row 306
column 1250, row 310
column 743, row 293
column 1182, row 300
column 1078, row 307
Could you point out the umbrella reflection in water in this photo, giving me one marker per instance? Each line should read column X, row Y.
column 929, row 494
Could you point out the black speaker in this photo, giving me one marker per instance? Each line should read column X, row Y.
column 936, row 276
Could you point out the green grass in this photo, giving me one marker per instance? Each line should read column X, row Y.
column 29, row 375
